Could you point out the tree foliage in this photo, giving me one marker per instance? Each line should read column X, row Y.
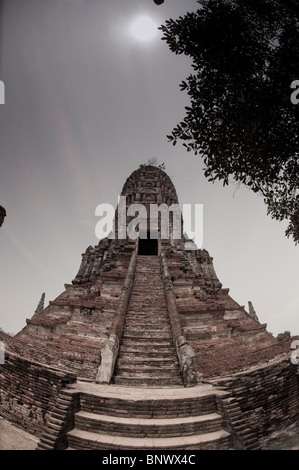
column 153, row 162
column 241, row 119
column 283, row 336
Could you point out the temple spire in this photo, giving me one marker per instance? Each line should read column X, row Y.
column 40, row 306
column 252, row 312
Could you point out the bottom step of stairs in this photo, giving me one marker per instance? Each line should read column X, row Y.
column 113, row 417
column 84, row 440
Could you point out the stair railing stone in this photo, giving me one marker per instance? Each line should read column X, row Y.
column 186, row 354
column 109, row 351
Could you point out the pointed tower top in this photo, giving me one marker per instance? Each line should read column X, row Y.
column 40, row 306
column 149, row 184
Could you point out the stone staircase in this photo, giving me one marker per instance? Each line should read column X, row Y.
column 147, row 356
column 126, row 418
column 146, row 406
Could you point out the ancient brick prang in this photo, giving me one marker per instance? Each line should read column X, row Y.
column 142, row 316
column 88, row 319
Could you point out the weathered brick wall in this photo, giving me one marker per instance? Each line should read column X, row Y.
column 222, row 356
column 71, row 331
column 61, row 420
column 28, row 391
column 268, row 396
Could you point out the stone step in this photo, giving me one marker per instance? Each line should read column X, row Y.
column 130, row 331
column 147, row 372
column 143, row 305
column 145, row 340
column 145, row 270
column 147, row 260
column 148, row 312
column 153, row 285
column 149, row 381
column 165, row 361
column 160, row 322
column 154, row 281
column 150, row 277
column 156, row 311
column 144, row 321
column 84, row 440
column 153, row 289
column 162, row 362
column 153, row 427
column 141, row 370
column 132, row 351
column 147, row 265
column 142, row 403
column 158, row 350
column 145, row 308
column 143, row 327
column 148, row 318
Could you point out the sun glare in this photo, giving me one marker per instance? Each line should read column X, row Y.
column 144, row 29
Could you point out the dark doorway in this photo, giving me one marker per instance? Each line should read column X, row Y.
column 148, row 246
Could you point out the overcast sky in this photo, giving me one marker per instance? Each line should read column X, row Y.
column 86, row 103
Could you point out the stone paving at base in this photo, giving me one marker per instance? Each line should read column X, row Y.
column 13, row 438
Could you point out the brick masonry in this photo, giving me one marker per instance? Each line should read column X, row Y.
column 29, row 391
column 267, row 395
